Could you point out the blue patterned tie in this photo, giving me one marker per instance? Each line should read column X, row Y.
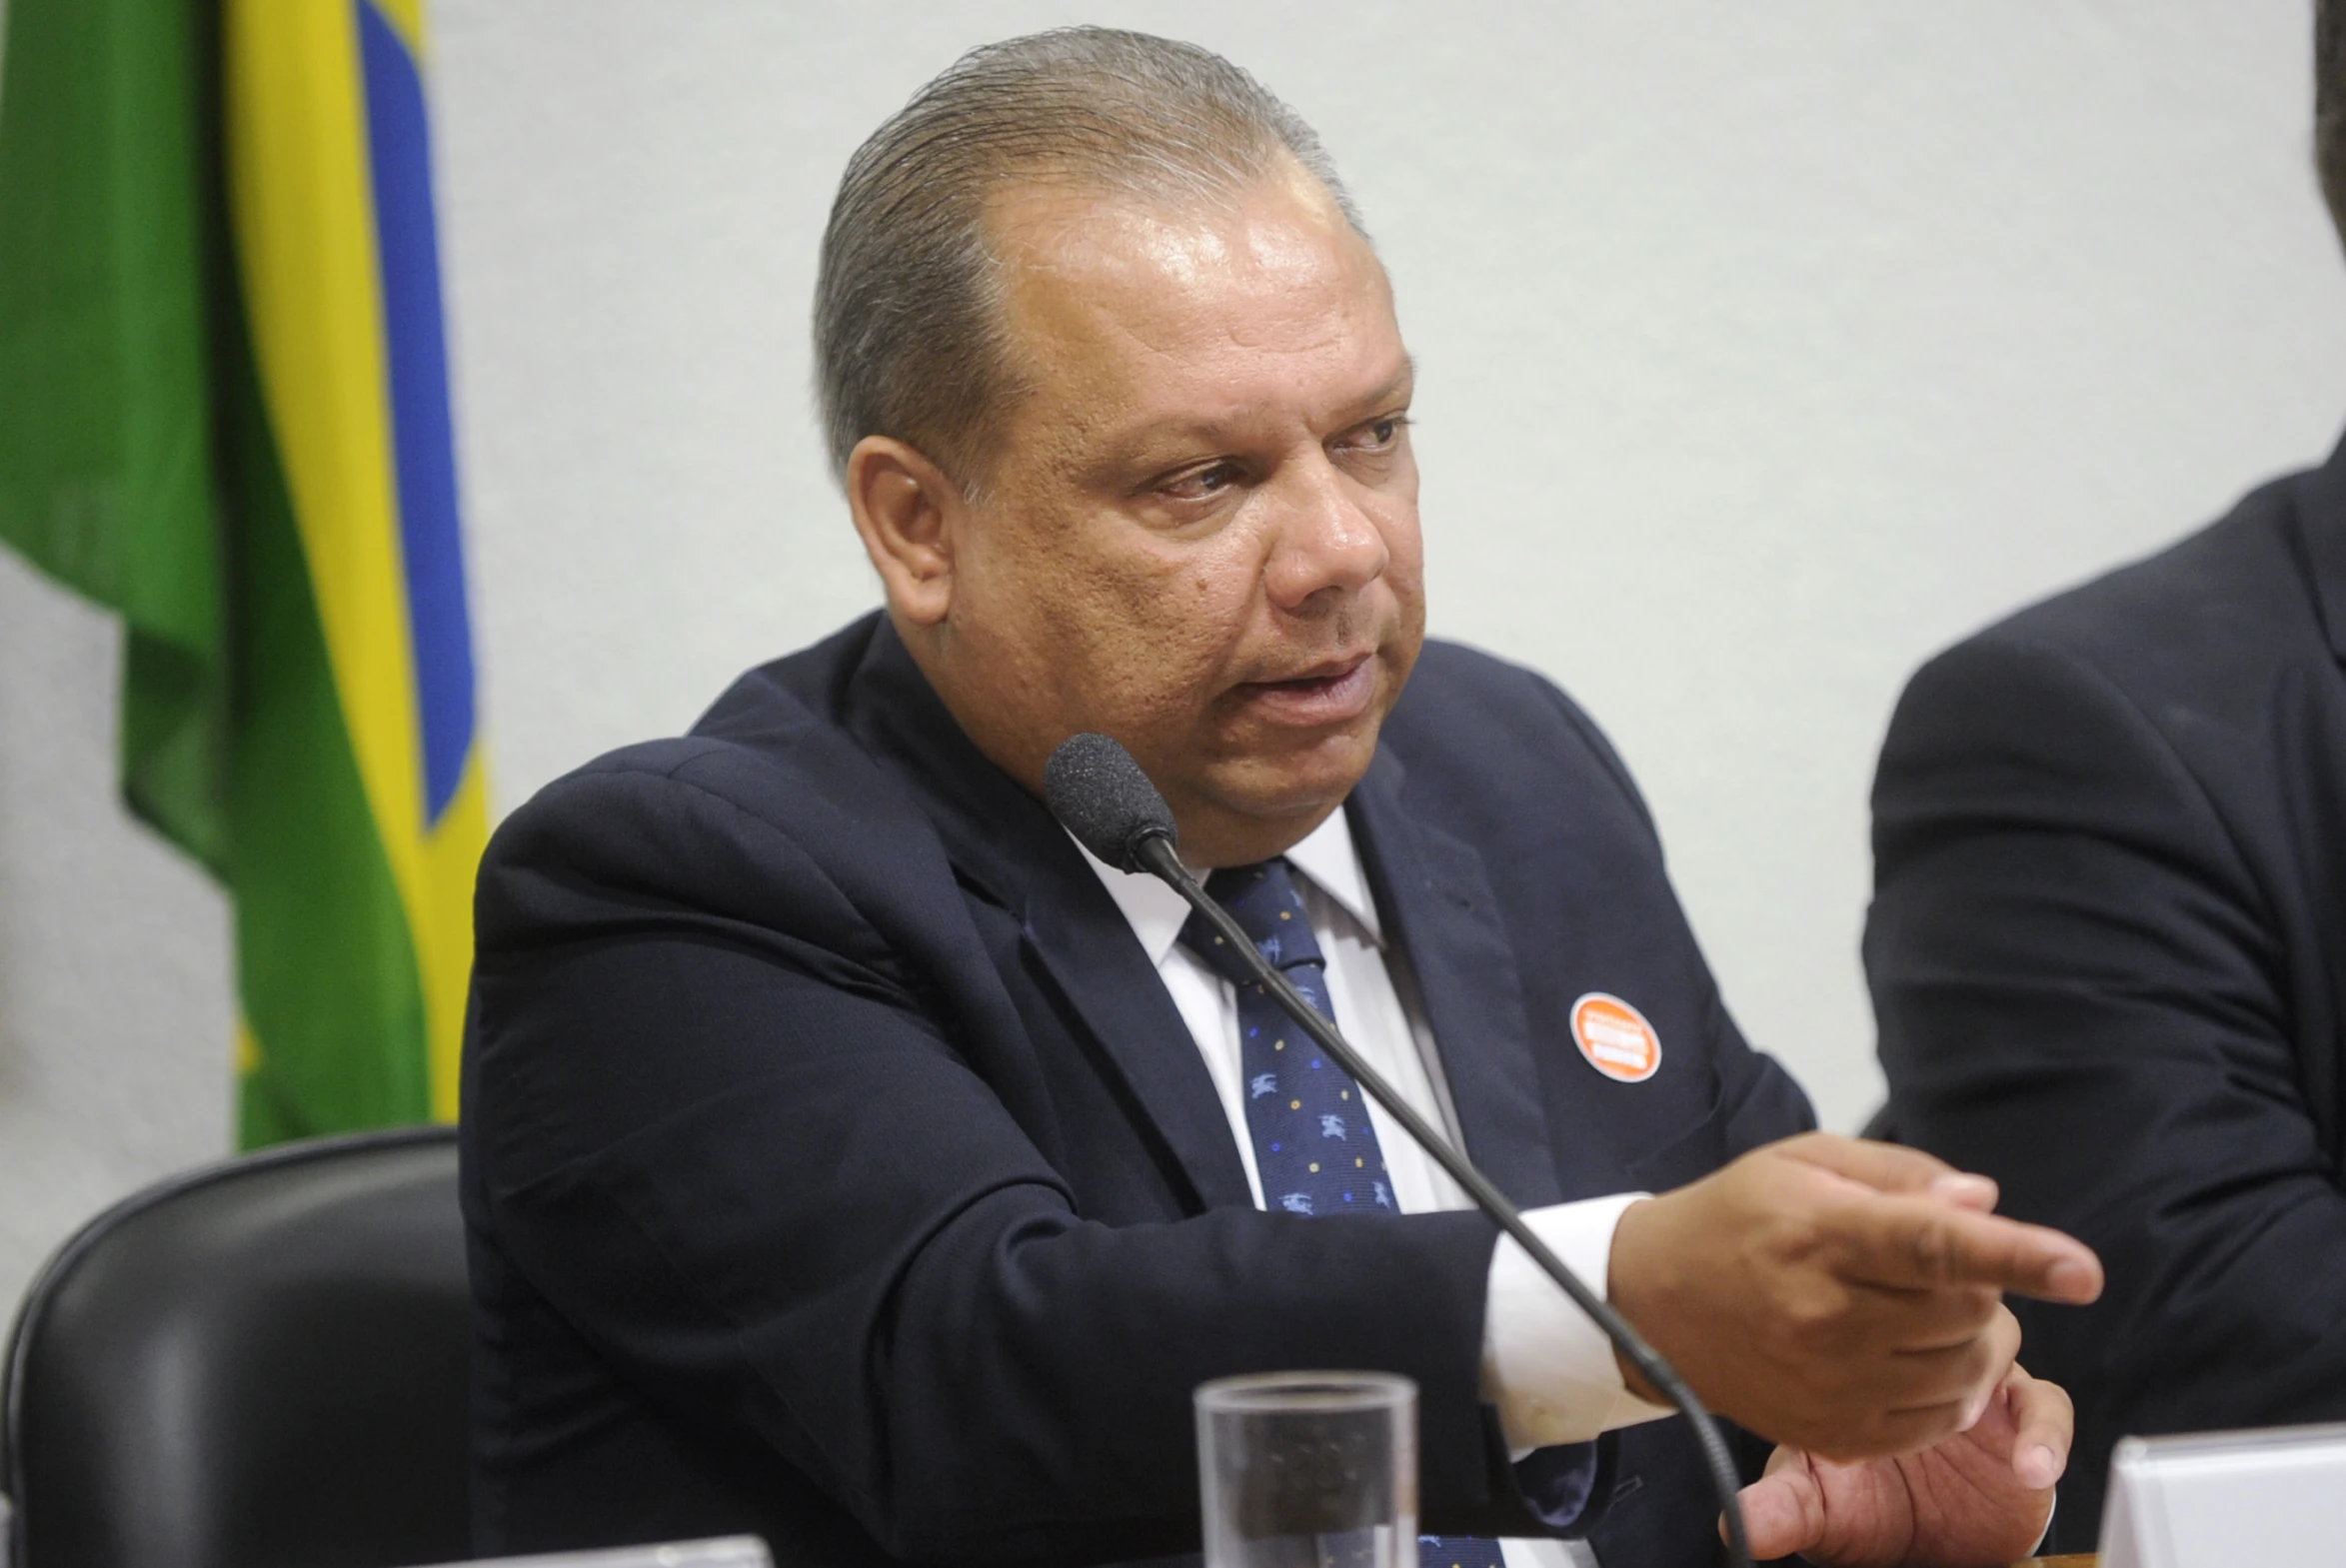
column 1315, row 1145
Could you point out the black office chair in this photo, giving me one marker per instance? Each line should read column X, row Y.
column 260, row 1364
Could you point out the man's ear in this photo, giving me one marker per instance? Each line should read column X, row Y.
column 911, row 517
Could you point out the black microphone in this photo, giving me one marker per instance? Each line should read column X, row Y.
column 1100, row 793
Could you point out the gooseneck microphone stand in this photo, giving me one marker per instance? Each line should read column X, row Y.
column 1102, row 796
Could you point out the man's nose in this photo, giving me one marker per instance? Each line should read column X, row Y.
column 1327, row 543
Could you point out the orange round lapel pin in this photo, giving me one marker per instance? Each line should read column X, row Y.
column 1615, row 1038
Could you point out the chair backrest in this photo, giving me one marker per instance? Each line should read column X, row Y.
column 261, row 1364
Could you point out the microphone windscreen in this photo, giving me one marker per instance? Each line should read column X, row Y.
column 1099, row 794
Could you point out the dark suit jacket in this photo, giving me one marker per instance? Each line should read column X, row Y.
column 2105, row 949
column 838, row 1168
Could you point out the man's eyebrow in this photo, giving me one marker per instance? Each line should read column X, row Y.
column 1402, row 383
column 1403, row 380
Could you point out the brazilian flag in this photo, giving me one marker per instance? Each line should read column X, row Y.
column 224, row 414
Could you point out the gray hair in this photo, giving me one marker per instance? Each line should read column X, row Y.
column 907, row 334
column 2329, row 105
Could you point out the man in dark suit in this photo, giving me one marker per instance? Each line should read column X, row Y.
column 2106, row 942
column 850, row 1159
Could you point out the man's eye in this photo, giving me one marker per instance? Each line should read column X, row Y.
column 1205, row 482
column 1378, row 435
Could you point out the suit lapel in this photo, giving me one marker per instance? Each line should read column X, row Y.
column 1438, row 909
column 1005, row 845
column 1083, row 942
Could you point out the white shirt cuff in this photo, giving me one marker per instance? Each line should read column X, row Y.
column 1549, row 1369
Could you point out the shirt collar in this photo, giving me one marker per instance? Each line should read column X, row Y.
column 1332, row 862
column 1327, row 857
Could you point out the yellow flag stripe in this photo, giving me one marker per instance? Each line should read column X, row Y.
column 302, row 211
column 304, row 224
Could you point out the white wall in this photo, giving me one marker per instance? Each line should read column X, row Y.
column 1765, row 350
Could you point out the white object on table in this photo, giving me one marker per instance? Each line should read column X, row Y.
column 725, row 1551
column 2274, row 1498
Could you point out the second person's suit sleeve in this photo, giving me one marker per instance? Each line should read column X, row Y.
column 2080, row 995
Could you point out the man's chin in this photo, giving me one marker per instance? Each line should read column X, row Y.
column 1297, row 787
column 1243, row 813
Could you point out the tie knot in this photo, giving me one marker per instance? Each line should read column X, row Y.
column 1262, row 898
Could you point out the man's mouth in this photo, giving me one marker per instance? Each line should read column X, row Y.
column 1335, row 692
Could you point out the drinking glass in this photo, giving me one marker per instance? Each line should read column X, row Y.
column 1309, row 1470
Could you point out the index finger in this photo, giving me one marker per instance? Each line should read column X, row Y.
column 1912, row 1242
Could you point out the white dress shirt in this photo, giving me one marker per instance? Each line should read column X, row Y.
column 1549, row 1370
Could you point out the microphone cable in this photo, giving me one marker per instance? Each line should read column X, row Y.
column 1102, row 796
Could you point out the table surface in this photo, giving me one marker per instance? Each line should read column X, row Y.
column 2074, row 1560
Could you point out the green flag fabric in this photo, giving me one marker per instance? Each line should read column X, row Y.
column 106, row 462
